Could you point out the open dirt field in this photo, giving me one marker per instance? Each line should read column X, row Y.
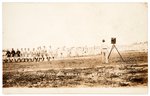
column 79, row 72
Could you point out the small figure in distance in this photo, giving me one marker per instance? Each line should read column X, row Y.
column 18, row 53
column 8, row 53
column 13, row 52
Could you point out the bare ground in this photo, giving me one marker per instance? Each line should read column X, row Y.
column 79, row 72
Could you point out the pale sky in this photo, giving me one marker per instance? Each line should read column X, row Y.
column 73, row 24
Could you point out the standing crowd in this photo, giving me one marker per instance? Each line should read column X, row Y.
column 27, row 55
column 46, row 53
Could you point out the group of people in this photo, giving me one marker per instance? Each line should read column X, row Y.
column 26, row 55
column 40, row 54
column 12, row 53
column 47, row 54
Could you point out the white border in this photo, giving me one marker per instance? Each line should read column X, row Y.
column 1, row 47
column 69, row 1
column 133, row 90
column 74, row 0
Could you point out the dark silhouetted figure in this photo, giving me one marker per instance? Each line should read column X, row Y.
column 8, row 54
column 18, row 53
column 13, row 52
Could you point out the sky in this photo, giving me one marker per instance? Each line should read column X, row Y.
column 28, row 25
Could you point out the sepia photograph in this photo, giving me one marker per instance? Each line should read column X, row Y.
column 68, row 46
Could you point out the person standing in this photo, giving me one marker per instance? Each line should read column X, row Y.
column 39, row 52
column 33, row 54
column 22, row 55
column 18, row 55
column 29, row 55
column 44, row 53
column 104, row 52
column 13, row 53
column 50, row 54
column 25, row 55
column 8, row 54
